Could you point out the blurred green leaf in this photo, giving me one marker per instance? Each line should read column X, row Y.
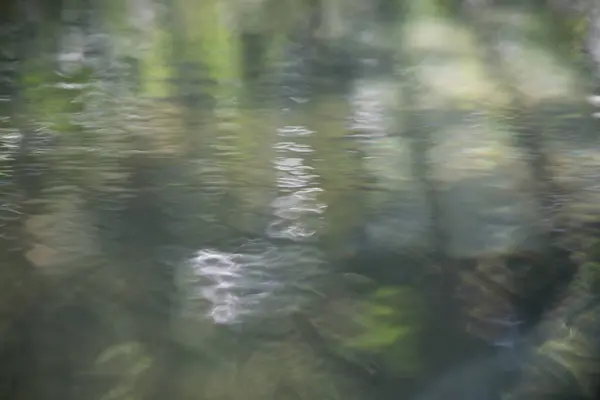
column 380, row 337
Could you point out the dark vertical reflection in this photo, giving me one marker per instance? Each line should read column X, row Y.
column 253, row 54
column 421, row 142
column 19, row 183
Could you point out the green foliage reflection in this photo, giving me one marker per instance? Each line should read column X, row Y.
column 391, row 318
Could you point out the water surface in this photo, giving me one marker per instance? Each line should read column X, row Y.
column 232, row 199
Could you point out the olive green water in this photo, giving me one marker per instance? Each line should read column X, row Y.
column 234, row 199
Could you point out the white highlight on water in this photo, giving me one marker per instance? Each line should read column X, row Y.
column 261, row 279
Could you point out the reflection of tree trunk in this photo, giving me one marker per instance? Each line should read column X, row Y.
column 19, row 291
column 189, row 79
column 443, row 301
column 421, row 142
column 528, row 138
column 253, row 55
column 546, row 191
column 254, row 47
column 146, row 233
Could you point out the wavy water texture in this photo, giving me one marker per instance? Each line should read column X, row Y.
column 262, row 279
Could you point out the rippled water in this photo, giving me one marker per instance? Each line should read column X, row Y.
column 234, row 199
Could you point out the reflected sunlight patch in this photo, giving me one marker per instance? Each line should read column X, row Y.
column 436, row 34
column 537, row 73
column 258, row 281
column 448, row 61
